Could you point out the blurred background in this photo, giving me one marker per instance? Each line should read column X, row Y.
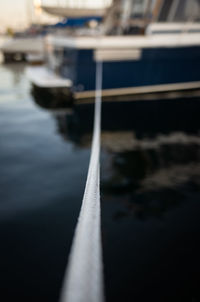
column 150, row 155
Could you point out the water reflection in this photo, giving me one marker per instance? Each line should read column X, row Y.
column 149, row 193
column 15, row 72
column 150, row 180
column 151, row 150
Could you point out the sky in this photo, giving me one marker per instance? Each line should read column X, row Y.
column 17, row 13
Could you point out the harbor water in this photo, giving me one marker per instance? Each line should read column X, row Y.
column 150, row 194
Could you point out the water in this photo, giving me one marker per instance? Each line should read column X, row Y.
column 150, row 194
column 42, row 183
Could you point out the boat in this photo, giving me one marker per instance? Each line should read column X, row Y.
column 20, row 49
column 73, row 12
column 148, row 49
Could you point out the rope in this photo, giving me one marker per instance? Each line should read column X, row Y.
column 83, row 281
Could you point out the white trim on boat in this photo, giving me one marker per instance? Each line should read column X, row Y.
column 44, row 78
column 166, row 27
column 139, row 90
column 127, row 42
column 111, row 55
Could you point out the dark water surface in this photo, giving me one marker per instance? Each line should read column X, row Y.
column 42, row 181
column 150, row 193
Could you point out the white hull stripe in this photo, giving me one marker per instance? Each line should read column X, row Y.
column 84, row 277
column 127, row 42
column 139, row 90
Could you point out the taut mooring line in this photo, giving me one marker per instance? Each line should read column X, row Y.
column 83, row 281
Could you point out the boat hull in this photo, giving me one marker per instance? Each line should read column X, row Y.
column 134, row 68
column 52, row 98
column 155, row 66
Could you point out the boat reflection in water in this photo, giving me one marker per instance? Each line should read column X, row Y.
column 149, row 148
column 150, row 192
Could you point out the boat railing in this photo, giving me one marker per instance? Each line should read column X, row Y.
column 173, row 28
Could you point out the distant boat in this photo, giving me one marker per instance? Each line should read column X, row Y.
column 77, row 8
column 148, row 48
column 21, row 49
column 74, row 12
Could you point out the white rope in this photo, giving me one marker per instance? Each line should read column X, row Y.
column 84, row 277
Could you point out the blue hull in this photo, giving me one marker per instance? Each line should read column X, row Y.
column 155, row 67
